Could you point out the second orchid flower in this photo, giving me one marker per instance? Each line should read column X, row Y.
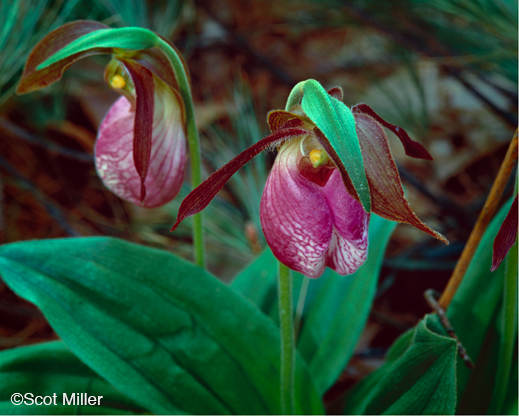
column 317, row 200
column 140, row 150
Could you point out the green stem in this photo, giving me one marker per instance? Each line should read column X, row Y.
column 286, row 326
column 192, row 137
column 300, row 306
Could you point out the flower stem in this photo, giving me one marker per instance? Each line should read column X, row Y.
column 483, row 220
column 300, row 306
column 286, row 326
column 192, row 137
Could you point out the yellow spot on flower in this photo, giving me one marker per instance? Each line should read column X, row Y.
column 315, row 155
column 117, row 81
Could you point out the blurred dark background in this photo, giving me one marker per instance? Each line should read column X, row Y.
column 445, row 70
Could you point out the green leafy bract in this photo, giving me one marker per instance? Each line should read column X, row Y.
column 336, row 122
column 133, row 38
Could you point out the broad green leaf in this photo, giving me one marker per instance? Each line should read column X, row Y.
column 161, row 330
column 508, row 333
column 336, row 308
column 472, row 312
column 336, row 122
column 51, row 368
column 126, row 38
column 257, row 282
column 422, row 380
column 339, row 311
column 360, row 394
column 510, row 405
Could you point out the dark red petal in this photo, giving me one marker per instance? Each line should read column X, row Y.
column 387, row 195
column 158, row 64
column 143, row 127
column 54, row 41
column 200, row 197
column 506, row 236
column 412, row 148
column 280, row 119
column 336, row 92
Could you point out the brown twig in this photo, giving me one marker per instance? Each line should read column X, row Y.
column 484, row 218
column 430, row 296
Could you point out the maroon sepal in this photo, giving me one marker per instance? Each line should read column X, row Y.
column 336, row 92
column 387, row 195
column 319, row 175
column 200, row 197
column 54, row 41
column 506, row 236
column 143, row 127
column 412, row 148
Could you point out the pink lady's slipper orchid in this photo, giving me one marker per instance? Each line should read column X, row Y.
column 310, row 210
column 309, row 219
column 140, row 150
column 114, row 154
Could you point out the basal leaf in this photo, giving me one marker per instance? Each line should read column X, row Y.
column 338, row 313
column 336, row 307
column 336, row 122
column 473, row 312
column 360, row 395
column 507, row 329
column 161, row 330
column 511, row 402
column 422, row 380
column 51, row 368
column 257, row 282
